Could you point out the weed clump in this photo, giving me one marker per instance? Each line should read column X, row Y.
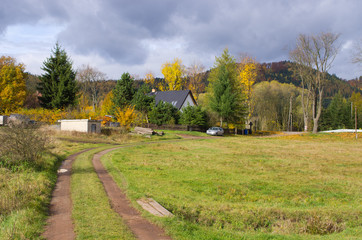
column 22, row 145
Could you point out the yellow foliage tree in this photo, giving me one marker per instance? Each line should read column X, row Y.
column 247, row 77
column 107, row 104
column 150, row 79
column 174, row 74
column 126, row 116
column 195, row 75
column 12, row 84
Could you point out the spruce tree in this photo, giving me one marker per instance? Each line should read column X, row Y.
column 123, row 92
column 226, row 98
column 58, row 87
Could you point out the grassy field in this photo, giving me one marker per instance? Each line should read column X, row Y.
column 296, row 187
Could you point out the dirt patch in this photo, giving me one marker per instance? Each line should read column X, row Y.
column 141, row 227
column 59, row 224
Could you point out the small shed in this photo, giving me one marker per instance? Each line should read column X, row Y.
column 80, row 125
column 3, row 120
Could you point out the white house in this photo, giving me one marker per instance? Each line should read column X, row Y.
column 80, row 125
column 178, row 99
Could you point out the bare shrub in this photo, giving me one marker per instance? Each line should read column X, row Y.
column 21, row 144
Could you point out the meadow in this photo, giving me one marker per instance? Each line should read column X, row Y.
column 292, row 187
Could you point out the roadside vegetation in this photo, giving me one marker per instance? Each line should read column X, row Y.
column 291, row 187
column 26, row 186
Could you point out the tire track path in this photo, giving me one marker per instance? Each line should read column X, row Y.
column 60, row 224
column 141, row 228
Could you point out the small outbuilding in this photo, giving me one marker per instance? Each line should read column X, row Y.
column 3, row 120
column 80, row 125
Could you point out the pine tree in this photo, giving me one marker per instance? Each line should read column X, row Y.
column 123, row 92
column 58, row 87
column 223, row 101
column 226, row 98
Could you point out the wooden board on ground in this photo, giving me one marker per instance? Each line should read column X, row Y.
column 154, row 207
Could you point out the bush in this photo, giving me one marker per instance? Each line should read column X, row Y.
column 21, row 144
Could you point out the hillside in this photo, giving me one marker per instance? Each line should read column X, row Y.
column 281, row 72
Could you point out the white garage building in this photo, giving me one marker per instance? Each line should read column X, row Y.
column 80, row 125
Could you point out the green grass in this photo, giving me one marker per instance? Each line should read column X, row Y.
column 293, row 187
column 92, row 214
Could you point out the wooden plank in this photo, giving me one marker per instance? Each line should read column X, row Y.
column 153, row 207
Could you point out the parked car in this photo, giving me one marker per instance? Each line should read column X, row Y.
column 215, row 131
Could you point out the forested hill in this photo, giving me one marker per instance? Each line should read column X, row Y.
column 282, row 72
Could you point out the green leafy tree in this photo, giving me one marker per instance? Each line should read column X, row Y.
column 193, row 115
column 57, row 85
column 164, row 113
column 123, row 92
column 143, row 102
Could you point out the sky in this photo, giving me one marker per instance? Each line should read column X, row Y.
column 138, row 36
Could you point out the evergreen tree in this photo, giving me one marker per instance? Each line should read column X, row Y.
column 193, row 115
column 58, row 87
column 142, row 101
column 164, row 113
column 123, row 92
column 226, row 98
column 337, row 115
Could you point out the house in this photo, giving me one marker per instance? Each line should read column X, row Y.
column 80, row 125
column 178, row 99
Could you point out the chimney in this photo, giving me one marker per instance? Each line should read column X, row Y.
column 153, row 90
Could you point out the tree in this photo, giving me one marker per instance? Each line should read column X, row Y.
column 150, row 80
column 107, row 104
column 125, row 116
column 58, row 87
column 357, row 56
column 89, row 79
column 276, row 107
column 226, row 98
column 143, row 102
column 315, row 55
column 174, row 74
column 123, row 92
column 247, row 77
column 224, row 101
column 12, row 84
column 164, row 113
column 337, row 115
column 195, row 75
column 193, row 115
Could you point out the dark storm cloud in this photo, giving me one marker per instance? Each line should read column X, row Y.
column 14, row 12
column 119, row 31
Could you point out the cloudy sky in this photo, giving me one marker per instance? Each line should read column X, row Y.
column 137, row 36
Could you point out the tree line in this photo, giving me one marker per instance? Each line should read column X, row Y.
column 232, row 94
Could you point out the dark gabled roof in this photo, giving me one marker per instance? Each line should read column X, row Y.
column 176, row 98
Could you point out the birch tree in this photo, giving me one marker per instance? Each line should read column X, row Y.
column 89, row 79
column 314, row 54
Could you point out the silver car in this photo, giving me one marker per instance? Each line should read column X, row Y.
column 215, row 131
